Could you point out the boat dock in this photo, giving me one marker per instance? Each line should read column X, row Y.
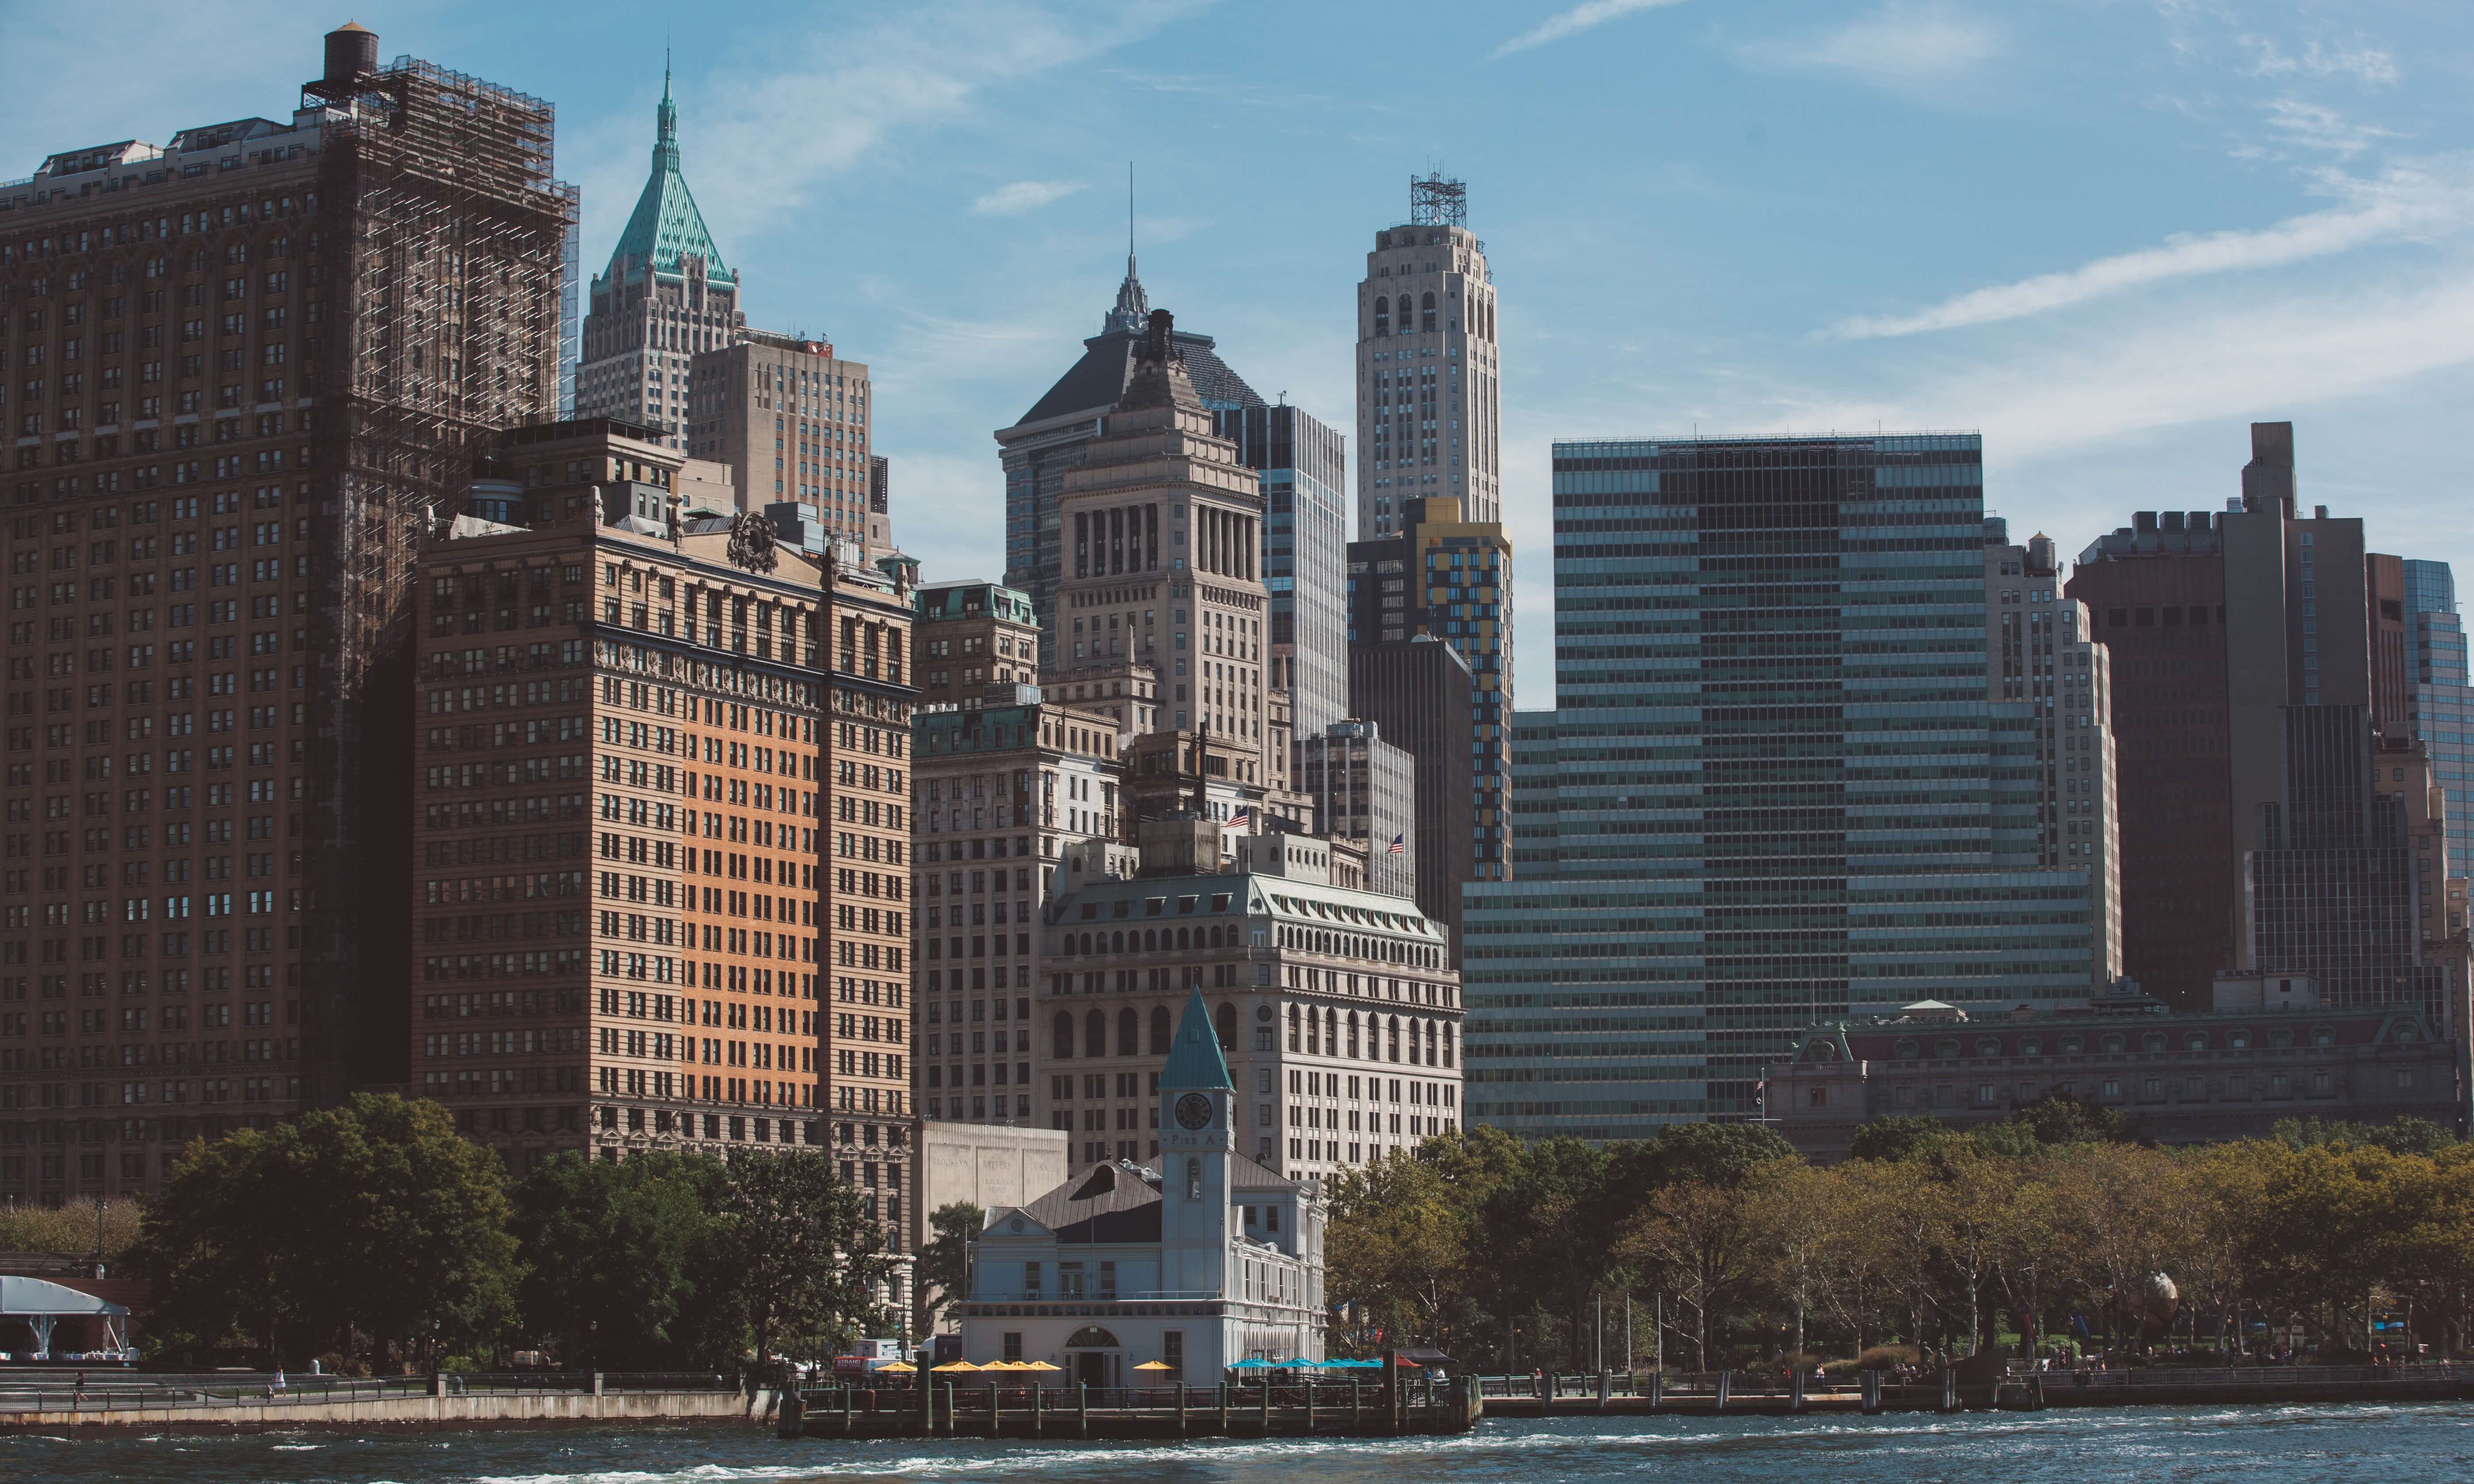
column 998, row 1409
column 1955, row 1389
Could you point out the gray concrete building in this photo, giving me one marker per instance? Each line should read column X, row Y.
column 1365, row 791
column 791, row 419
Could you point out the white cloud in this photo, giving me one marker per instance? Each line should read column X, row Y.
column 2369, row 64
column 2407, row 202
column 1904, row 41
column 2236, row 363
column 1577, row 19
column 2318, row 126
column 1023, row 196
column 815, row 108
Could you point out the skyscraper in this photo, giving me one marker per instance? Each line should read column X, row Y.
column 791, row 419
column 1365, row 791
column 1777, row 790
column 1450, row 578
column 1160, row 603
column 1047, row 443
column 225, row 505
column 2440, row 702
column 1420, row 694
column 1305, row 553
column 664, row 296
column 1429, row 397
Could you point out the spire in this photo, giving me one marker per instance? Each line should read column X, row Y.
column 665, row 119
column 1194, row 1061
column 1133, row 306
column 666, row 225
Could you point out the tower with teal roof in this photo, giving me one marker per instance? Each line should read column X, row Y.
column 666, row 294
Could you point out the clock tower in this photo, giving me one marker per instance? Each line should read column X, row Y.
column 1198, row 1102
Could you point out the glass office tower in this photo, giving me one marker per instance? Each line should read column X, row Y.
column 1774, row 790
column 2442, row 705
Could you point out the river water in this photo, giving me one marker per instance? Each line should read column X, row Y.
column 2426, row 1445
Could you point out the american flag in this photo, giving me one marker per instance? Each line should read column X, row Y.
column 1394, row 847
column 1240, row 818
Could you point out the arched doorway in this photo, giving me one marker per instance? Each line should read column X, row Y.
column 1093, row 1356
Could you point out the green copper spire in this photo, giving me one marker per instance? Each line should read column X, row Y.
column 1195, row 1060
column 666, row 225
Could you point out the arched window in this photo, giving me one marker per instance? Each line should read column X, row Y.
column 1224, row 1021
column 1094, row 1033
column 1180, row 939
column 1116, row 942
column 1130, row 1031
column 1331, row 1031
column 1382, row 315
column 1064, row 1035
column 1906, row 1050
column 1447, row 1046
column 1161, row 1034
column 1426, row 320
column 1393, row 1041
column 1352, row 1034
column 1293, row 1038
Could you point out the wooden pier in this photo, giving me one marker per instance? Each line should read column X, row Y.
column 1279, row 1409
column 1955, row 1389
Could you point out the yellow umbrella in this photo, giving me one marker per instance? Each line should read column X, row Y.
column 1042, row 1365
column 1155, row 1365
column 1002, row 1365
column 896, row 1368
column 957, row 1365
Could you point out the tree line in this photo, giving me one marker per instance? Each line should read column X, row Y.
column 376, row 1236
column 2052, row 1232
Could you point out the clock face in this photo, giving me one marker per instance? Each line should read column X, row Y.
column 1194, row 1111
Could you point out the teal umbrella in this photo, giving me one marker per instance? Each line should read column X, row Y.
column 1250, row 1363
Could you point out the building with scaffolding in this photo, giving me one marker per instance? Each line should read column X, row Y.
column 254, row 359
column 666, row 296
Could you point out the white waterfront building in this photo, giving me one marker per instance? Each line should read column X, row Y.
column 1208, row 1259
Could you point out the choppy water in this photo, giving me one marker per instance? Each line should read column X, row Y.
column 2427, row 1445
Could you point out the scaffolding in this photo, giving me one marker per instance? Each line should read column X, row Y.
column 1435, row 202
column 445, row 260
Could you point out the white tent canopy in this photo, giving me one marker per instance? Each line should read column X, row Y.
column 39, row 1302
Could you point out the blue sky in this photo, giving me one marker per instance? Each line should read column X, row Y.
column 2106, row 233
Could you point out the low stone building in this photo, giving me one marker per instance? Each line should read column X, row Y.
column 1207, row 1260
column 2180, row 1078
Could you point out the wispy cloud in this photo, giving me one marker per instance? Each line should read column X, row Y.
column 1579, row 18
column 2227, row 364
column 2318, row 126
column 2407, row 202
column 2364, row 64
column 821, row 106
column 1904, row 41
column 1023, row 196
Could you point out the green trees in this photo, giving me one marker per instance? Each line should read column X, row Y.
column 945, row 1262
column 1939, row 1239
column 376, row 1230
column 375, row 1218
column 627, row 1265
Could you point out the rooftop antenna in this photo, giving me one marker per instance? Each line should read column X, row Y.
column 1129, row 219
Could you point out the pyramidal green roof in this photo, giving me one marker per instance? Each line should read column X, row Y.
column 1194, row 1061
column 667, row 226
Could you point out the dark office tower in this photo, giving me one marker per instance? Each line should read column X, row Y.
column 2219, row 624
column 1783, row 792
column 1038, row 451
column 1305, row 553
column 1420, row 694
column 253, row 361
column 2334, row 890
column 2386, row 624
column 1450, row 578
column 2156, row 594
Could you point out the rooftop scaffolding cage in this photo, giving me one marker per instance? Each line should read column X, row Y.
column 1435, row 202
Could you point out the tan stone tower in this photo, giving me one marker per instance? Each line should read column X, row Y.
column 1160, row 607
column 1429, row 397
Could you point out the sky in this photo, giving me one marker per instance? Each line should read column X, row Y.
column 2107, row 234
